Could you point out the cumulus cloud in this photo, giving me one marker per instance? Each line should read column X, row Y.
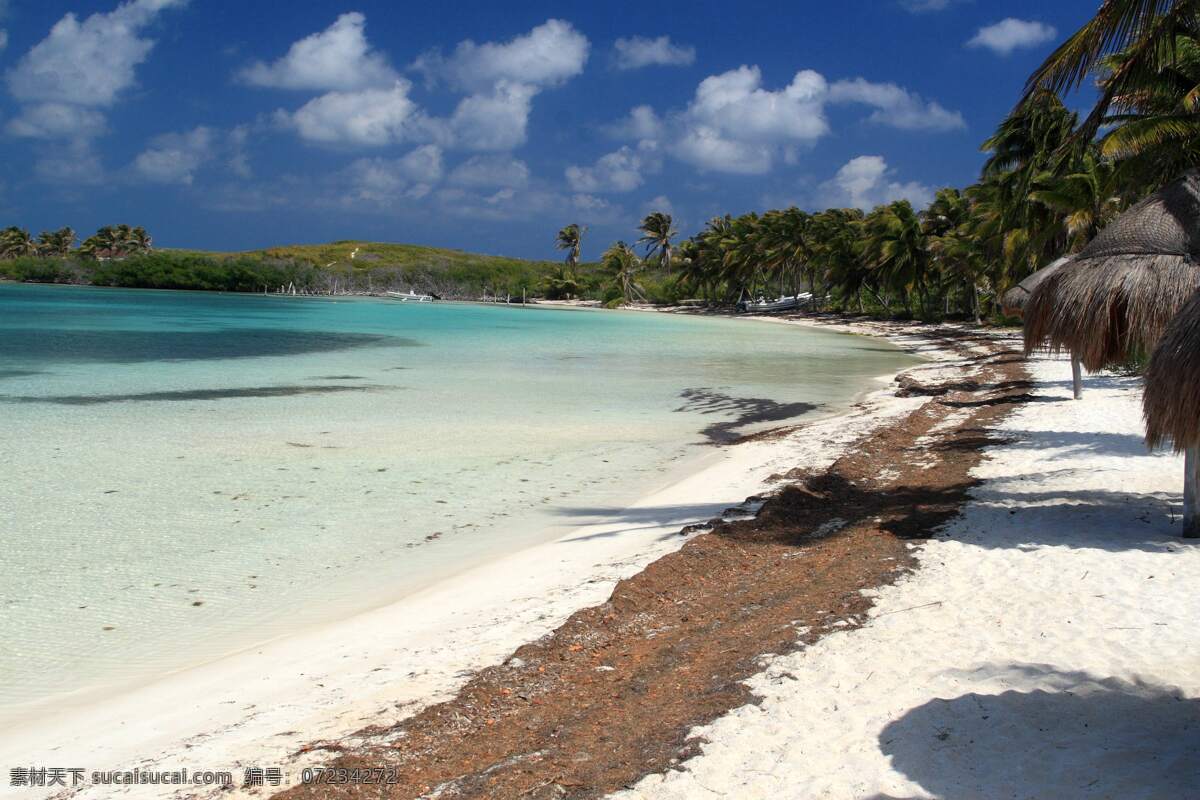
column 80, row 67
column 619, row 171
column 337, row 58
column 384, row 181
column 491, row 171
column 639, row 51
column 495, row 120
column 371, row 117
column 865, row 182
column 501, row 81
column 641, row 123
column 3, row 39
column 1013, row 34
column 58, row 121
column 548, row 55
column 735, row 125
column 895, row 106
column 175, row 157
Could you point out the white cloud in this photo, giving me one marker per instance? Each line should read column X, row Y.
column 863, row 182
column 384, row 181
column 548, row 55
column 735, row 125
column 502, row 79
column 369, row 117
column 896, row 106
column 661, row 203
column 639, row 51
column 490, row 171
column 175, row 157
column 3, row 39
column 87, row 63
column 619, row 171
column 338, row 57
column 65, row 82
column 239, row 162
column 1012, row 34
column 641, row 123
column 58, row 121
column 493, row 121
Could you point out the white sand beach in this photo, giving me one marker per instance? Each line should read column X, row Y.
column 1045, row 647
column 258, row 708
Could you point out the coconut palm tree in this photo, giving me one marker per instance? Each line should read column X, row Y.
column 57, row 243
column 1156, row 122
column 622, row 263
column 1144, row 31
column 895, row 246
column 833, row 239
column 570, row 239
column 16, row 242
column 101, row 244
column 1085, row 199
column 658, row 231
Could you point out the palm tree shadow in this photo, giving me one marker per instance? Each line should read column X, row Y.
column 746, row 412
column 1069, row 734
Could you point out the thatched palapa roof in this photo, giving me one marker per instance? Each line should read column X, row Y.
column 1171, row 403
column 1013, row 301
column 1117, row 296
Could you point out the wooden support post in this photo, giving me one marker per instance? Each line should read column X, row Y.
column 1191, row 492
column 1076, row 376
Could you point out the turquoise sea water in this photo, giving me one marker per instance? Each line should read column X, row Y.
column 186, row 474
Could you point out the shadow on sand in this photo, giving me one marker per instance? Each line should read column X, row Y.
column 1062, row 735
column 746, row 411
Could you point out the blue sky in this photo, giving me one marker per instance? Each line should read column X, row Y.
column 487, row 126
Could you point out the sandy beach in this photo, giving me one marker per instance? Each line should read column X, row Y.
column 1053, row 590
column 259, row 708
column 1043, row 646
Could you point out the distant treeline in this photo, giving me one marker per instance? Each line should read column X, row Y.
column 166, row 269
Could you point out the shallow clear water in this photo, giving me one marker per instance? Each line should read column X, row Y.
column 185, row 474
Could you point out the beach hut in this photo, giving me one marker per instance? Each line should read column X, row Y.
column 1013, row 303
column 1172, row 402
column 1114, row 299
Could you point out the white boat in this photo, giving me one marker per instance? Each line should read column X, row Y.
column 411, row 297
column 781, row 304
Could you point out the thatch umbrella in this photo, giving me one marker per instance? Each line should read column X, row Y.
column 1013, row 304
column 1172, row 402
column 1115, row 298
column 1013, row 301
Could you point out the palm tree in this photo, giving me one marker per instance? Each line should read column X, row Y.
column 622, row 263
column 570, row 239
column 16, row 242
column 1086, row 199
column 1144, row 31
column 894, row 245
column 833, row 238
column 101, row 244
column 658, row 232
column 56, row 243
column 1156, row 121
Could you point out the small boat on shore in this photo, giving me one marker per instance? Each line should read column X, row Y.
column 781, row 304
column 411, row 297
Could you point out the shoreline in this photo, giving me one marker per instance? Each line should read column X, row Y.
column 671, row 646
column 425, row 645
